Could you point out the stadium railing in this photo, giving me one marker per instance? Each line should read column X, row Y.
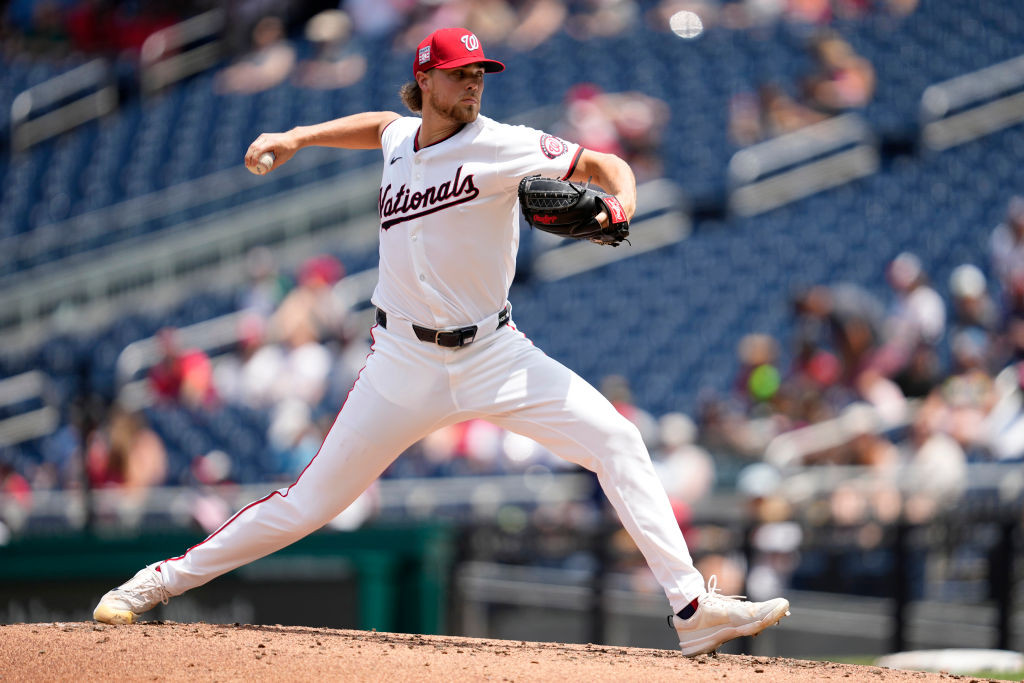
column 161, row 270
column 966, row 107
column 29, row 396
column 783, row 169
column 62, row 103
column 178, row 51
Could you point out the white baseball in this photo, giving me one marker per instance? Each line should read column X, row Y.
column 686, row 24
column 265, row 163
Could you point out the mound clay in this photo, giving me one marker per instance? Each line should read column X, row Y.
column 154, row 651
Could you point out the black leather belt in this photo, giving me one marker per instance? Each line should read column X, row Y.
column 451, row 338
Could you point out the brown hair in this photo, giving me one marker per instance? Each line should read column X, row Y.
column 412, row 96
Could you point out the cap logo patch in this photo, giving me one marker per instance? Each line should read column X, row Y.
column 552, row 146
column 471, row 42
column 424, row 54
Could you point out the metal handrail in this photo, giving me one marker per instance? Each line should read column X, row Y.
column 31, row 423
column 95, row 79
column 798, row 164
column 972, row 105
column 208, row 251
column 164, row 61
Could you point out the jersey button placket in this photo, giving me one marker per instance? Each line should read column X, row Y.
column 417, row 246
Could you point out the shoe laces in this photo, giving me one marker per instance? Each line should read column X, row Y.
column 715, row 593
column 141, row 589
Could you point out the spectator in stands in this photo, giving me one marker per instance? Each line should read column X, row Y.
column 490, row 20
column 1004, row 424
column 814, row 12
column 843, row 317
column 771, row 113
column 521, row 24
column 1007, row 248
column 921, row 374
column 285, row 360
column 774, row 538
column 842, row 79
column 14, row 486
column 686, row 470
column 937, row 463
column 266, row 286
column 310, row 312
column 968, row 394
column 237, row 378
column 294, row 437
column 110, row 27
column 600, row 18
column 848, row 319
column 269, row 61
column 209, row 510
column 127, row 454
column 973, row 308
column 378, row 18
column 304, row 370
column 757, row 379
column 337, row 62
column 628, row 124
column 181, row 375
column 917, row 314
column 725, row 429
column 465, row 448
column 815, row 372
column 616, row 389
column 538, row 21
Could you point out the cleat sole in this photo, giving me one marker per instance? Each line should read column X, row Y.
column 711, row 643
column 109, row 615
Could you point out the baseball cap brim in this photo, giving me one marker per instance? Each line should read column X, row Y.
column 490, row 65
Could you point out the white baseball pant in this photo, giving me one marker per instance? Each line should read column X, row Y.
column 407, row 389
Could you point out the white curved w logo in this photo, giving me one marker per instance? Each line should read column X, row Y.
column 470, row 41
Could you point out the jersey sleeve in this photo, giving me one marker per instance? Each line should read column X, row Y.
column 526, row 151
column 397, row 132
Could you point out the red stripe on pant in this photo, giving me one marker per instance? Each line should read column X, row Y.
column 288, row 490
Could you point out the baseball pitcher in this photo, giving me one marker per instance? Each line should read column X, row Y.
column 445, row 348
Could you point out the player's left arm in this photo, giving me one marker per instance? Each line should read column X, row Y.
column 610, row 173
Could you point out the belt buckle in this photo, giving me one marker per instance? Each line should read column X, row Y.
column 455, row 338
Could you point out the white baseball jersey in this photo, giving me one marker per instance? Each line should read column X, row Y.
column 449, row 217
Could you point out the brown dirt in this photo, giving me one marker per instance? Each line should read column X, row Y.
column 206, row 652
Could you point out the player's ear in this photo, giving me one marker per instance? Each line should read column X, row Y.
column 422, row 79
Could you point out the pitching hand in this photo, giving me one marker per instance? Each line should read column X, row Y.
column 282, row 145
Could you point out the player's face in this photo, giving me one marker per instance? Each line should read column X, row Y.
column 455, row 93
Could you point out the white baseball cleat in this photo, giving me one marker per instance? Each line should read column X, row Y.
column 141, row 593
column 720, row 618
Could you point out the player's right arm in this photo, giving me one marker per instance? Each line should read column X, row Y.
column 359, row 131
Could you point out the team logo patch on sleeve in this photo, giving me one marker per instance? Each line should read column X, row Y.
column 552, row 146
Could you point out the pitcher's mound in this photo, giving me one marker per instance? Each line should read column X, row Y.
column 166, row 650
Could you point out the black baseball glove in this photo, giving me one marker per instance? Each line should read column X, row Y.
column 566, row 209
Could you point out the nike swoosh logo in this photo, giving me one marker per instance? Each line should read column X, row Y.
column 394, row 160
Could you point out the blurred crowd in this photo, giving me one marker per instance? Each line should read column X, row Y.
column 921, row 385
column 948, row 370
column 840, row 81
column 325, row 45
column 110, row 26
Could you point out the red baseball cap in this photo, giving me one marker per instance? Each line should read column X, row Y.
column 447, row 48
